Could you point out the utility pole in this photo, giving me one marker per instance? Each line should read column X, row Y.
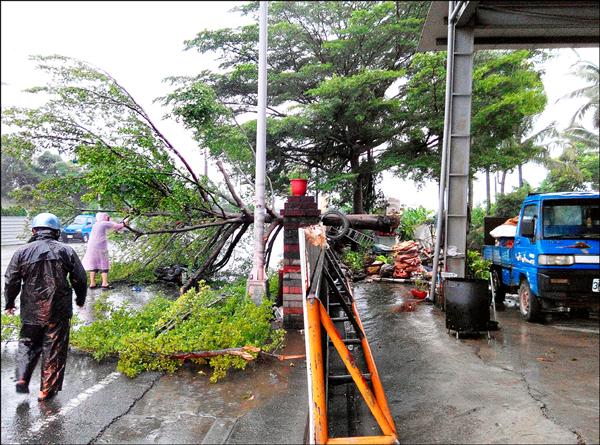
column 257, row 285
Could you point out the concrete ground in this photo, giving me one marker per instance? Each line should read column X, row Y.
column 265, row 403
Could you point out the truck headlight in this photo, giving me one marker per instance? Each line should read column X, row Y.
column 556, row 260
column 78, row 230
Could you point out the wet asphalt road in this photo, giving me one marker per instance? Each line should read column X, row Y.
column 99, row 405
column 530, row 383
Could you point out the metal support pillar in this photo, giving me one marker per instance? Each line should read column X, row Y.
column 455, row 245
column 452, row 220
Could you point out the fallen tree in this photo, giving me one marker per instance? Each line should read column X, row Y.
column 128, row 166
column 222, row 328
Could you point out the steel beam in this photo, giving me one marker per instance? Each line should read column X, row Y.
column 465, row 14
column 455, row 245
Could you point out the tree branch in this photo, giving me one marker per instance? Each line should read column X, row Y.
column 234, row 194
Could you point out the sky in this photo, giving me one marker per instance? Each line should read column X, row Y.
column 141, row 43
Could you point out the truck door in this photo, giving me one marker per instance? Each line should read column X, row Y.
column 525, row 247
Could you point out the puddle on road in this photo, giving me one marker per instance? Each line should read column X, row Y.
column 406, row 305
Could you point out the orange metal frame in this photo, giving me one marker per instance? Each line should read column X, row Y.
column 316, row 318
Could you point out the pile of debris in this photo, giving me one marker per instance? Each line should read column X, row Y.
column 407, row 260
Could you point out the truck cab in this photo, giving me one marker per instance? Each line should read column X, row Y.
column 554, row 261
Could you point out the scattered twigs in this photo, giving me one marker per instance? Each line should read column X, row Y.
column 282, row 357
column 171, row 323
column 246, row 352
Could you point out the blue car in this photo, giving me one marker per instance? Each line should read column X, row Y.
column 79, row 229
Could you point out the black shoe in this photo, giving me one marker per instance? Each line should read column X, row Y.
column 22, row 387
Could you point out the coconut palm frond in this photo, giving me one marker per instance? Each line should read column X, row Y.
column 582, row 111
column 590, row 73
column 548, row 132
column 582, row 135
column 585, row 92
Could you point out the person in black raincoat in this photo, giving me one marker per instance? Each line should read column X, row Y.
column 43, row 272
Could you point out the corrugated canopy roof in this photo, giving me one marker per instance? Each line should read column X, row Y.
column 517, row 24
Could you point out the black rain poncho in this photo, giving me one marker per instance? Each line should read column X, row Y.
column 43, row 272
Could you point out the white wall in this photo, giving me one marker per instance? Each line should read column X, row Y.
column 14, row 230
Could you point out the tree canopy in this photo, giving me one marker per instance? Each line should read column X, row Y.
column 126, row 165
column 348, row 99
column 507, row 94
column 329, row 67
column 577, row 167
column 589, row 72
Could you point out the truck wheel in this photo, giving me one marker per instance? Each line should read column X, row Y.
column 529, row 306
column 499, row 290
column 86, row 237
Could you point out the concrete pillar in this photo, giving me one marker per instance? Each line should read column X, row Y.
column 298, row 211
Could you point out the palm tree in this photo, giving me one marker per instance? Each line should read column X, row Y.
column 589, row 72
column 587, row 138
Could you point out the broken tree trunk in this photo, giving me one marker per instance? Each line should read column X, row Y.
column 380, row 223
column 244, row 352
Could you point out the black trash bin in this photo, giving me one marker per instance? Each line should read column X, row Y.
column 467, row 305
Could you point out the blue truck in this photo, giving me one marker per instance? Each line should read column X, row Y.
column 553, row 260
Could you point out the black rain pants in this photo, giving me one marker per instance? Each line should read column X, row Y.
column 52, row 343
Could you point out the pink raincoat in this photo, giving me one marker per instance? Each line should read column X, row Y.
column 96, row 255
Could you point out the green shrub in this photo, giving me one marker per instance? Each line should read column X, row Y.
column 475, row 236
column 11, row 324
column 133, row 271
column 298, row 172
column 354, row 260
column 410, row 219
column 385, row 259
column 477, row 267
column 509, row 204
column 13, row 211
column 199, row 320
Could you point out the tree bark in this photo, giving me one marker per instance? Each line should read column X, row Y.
column 488, row 196
column 502, row 182
column 520, row 169
column 371, row 222
column 357, row 195
column 246, row 352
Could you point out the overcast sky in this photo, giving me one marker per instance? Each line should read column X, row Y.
column 141, row 43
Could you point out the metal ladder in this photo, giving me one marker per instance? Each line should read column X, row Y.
column 358, row 237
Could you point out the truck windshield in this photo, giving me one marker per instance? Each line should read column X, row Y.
column 571, row 219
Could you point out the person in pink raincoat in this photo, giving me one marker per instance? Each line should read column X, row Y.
column 96, row 256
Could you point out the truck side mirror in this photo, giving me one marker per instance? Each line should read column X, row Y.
column 528, row 227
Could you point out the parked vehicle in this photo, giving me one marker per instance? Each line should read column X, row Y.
column 79, row 229
column 553, row 260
